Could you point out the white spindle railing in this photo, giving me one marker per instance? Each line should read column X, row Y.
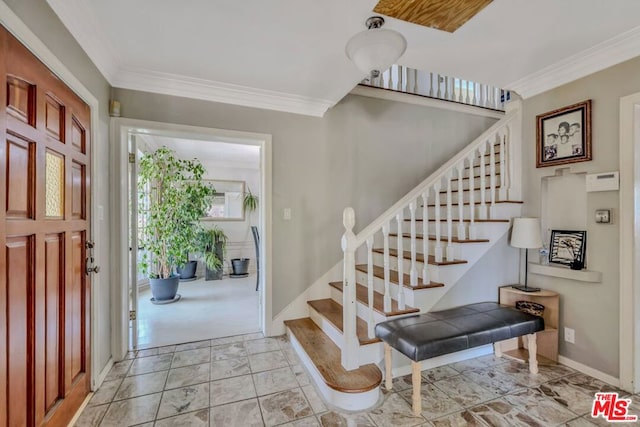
column 409, row 80
column 421, row 195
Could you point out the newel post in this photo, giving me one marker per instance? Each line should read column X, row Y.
column 350, row 348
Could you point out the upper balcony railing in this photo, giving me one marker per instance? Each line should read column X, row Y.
column 418, row 82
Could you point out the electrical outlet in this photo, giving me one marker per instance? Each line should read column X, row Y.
column 570, row 335
column 286, row 214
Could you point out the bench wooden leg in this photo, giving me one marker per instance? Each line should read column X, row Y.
column 388, row 378
column 416, row 380
column 533, row 353
column 497, row 350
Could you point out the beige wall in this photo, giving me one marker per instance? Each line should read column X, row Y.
column 42, row 21
column 365, row 153
column 592, row 309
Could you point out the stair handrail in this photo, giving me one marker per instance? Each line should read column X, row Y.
column 504, row 132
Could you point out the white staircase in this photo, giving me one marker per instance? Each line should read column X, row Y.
column 450, row 221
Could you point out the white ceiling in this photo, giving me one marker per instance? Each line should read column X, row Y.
column 289, row 54
column 210, row 153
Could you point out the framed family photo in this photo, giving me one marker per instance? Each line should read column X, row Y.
column 564, row 135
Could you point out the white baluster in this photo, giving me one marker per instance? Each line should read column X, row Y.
column 447, row 95
column 401, row 296
column 349, row 358
column 450, row 256
column 496, row 97
column 390, row 83
column 460, row 92
column 385, row 79
column 503, row 151
column 430, row 84
column 461, row 229
column 492, row 174
column 482, row 214
column 400, row 79
column 481, row 97
column 467, row 99
column 439, row 93
column 425, row 238
column 370, row 320
column 413, row 275
column 415, row 81
column 472, row 199
column 438, row 248
column 385, row 262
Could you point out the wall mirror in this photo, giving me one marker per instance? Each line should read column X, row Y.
column 227, row 201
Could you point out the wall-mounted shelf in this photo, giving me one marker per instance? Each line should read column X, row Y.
column 565, row 272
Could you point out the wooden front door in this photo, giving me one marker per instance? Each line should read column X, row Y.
column 44, row 216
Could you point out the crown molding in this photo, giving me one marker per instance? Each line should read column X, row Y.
column 85, row 28
column 209, row 90
column 603, row 55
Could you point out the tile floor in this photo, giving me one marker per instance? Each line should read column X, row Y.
column 208, row 308
column 249, row 380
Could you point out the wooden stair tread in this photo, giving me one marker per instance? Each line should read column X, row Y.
column 419, row 257
column 362, row 295
column 475, row 177
column 457, row 220
column 326, row 356
column 332, row 311
column 393, row 275
column 442, row 238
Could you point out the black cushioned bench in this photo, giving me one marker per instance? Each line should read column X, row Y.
column 442, row 332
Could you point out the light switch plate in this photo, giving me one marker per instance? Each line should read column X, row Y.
column 603, row 216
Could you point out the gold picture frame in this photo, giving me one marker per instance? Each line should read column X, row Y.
column 563, row 136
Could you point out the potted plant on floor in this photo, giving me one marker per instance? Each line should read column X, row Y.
column 177, row 200
column 213, row 243
column 240, row 266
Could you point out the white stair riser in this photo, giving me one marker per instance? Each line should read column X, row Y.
column 483, row 229
column 378, row 284
column 362, row 310
column 458, row 248
column 498, row 211
column 368, row 353
column 346, row 401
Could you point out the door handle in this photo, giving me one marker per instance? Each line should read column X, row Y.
column 89, row 244
column 90, row 268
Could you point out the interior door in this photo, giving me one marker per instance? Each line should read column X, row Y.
column 45, row 211
column 133, row 243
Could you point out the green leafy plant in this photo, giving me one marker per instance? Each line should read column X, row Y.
column 250, row 201
column 177, row 200
column 208, row 240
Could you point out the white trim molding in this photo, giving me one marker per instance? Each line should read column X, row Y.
column 209, row 90
column 603, row 55
column 21, row 31
column 630, row 243
column 85, row 28
column 611, row 380
column 120, row 131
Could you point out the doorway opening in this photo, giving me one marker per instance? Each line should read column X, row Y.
column 210, row 305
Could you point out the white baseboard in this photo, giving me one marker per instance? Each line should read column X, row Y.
column 445, row 359
column 589, row 371
column 298, row 308
column 102, row 375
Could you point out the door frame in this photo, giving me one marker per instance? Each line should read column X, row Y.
column 23, row 33
column 630, row 242
column 119, row 131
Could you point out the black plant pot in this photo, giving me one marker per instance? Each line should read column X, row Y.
column 215, row 274
column 240, row 266
column 164, row 289
column 188, row 271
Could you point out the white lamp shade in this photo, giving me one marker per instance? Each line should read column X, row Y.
column 526, row 233
column 375, row 49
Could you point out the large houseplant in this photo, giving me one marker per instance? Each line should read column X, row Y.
column 177, row 200
column 213, row 244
